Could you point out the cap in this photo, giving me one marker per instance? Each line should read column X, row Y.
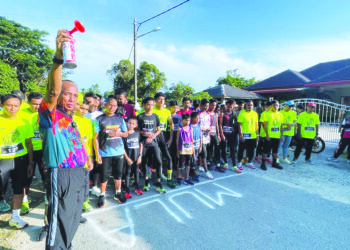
column 312, row 104
column 289, row 103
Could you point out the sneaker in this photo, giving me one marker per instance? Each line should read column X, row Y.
column 268, row 160
column 171, row 184
column 146, row 187
column 225, row 166
column 294, row 161
column 86, row 206
column 138, row 191
column 263, row 166
column 163, row 177
column 24, row 208
column 278, row 160
column 120, row 198
column 101, row 201
column 257, row 160
column 179, row 181
column 209, row 175
column 220, row 169
column 4, row 207
column 201, row 169
column 196, row 172
column 236, row 169
column 250, row 165
column 189, row 182
column 240, row 166
column 195, row 178
column 83, row 220
column 332, row 159
column 159, row 188
column 95, row 191
column 128, row 195
column 43, row 233
column 276, row 165
column 286, row 160
column 309, row 162
column 18, row 222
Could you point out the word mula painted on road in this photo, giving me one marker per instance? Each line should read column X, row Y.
column 170, row 204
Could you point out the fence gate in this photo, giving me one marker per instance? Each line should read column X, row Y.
column 331, row 115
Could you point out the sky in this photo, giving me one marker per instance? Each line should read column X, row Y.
column 198, row 41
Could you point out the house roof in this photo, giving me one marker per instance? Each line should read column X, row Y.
column 322, row 69
column 338, row 75
column 227, row 91
column 285, row 79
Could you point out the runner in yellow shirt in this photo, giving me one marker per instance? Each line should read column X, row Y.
column 272, row 124
column 16, row 149
column 308, row 122
column 248, row 131
column 289, row 123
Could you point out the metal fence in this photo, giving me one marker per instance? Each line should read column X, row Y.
column 331, row 115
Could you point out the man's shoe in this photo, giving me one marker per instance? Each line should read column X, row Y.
column 146, row 187
column 18, row 222
column 171, row 184
column 268, row 160
column 263, row 166
column 225, row 166
column 128, row 195
column 179, row 181
column 195, row 178
column 159, row 188
column 24, row 208
column 43, row 233
column 95, row 191
column 4, row 206
column 294, row 161
column 309, row 162
column 236, row 169
column 332, row 159
column 138, row 191
column 83, row 220
column 120, row 198
column 189, row 182
column 209, row 175
column 250, row 165
column 257, row 160
column 101, row 201
column 220, row 169
column 86, row 206
column 286, row 160
column 201, row 169
column 240, row 166
column 276, row 165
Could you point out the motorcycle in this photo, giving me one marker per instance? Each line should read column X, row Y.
column 318, row 147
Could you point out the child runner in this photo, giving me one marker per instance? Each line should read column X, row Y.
column 184, row 142
column 197, row 145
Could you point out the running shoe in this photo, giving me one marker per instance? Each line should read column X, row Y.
column 179, row 181
column 189, row 182
column 250, row 165
column 236, row 169
column 146, row 187
column 220, row 169
column 286, row 160
column 18, row 222
column 276, row 165
column 294, row 161
column 24, row 208
column 268, row 160
column 209, row 175
column 138, row 191
column 332, row 159
column 195, row 178
column 4, row 206
column 240, row 166
column 159, row 188
column 95, row 191
column 257, row 160
column 43, row 233
column 128, row 195
column 201, row 169
column 83, row 220
column 196, row 172
column 101, row 201
column 120, row 198
column 163, row 177
column 263, row 166
column 278, row 160
column 309, row 162
column 86, row 206
column 171, row 184
column 225, row 166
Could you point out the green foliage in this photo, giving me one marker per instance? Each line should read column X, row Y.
column 178, row 91
column 201, row 95
column 232, row 78
column 93, row 88
column 107, row 93
column 24, row 51
column 123, row 76
column 8, row 78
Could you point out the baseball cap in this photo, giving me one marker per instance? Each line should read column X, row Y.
column 289, row 103
column 312, row 104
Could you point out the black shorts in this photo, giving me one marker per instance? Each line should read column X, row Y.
column 19, row 174
column 6, row 166
column 272, row 144
column 186, row 158
column 111, row 165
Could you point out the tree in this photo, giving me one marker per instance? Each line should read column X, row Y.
column 232, row 78
column 123, row 76
column 201, row 95
column 178, row 91
column 8, row 79
column 24, row 51
column 150, row 80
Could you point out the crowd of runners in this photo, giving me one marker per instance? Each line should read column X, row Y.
column 176, row 143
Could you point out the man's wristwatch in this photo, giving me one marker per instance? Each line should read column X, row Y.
column 57, row 61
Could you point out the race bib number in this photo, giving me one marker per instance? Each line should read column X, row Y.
column 309, row 128
column 162, row 126
column 187, row 148
column 196, row 144
column 133, row 143
column 36, row 135
column 275, row 129
column 285, row 129
column 11, row 150
column 206, row 138
column 227, row 129
column 247, row 135
column 213, row 129
column 176, row 127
